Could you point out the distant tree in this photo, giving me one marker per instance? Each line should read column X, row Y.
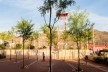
column 88, row 34
column 65, row 36
column 34, row 37
column 18, row 46
column 2, row 46
column 46, row 30
column 4, row 36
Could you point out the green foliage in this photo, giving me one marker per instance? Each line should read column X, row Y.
column 27, row 46
column 65, row 34
column 45, row 29
column 24, row 28
column 34, row 35
column 80, row 26
column 48, row 7
column 11, row 32
column 58, row 5
column 18, row 46
column 4, row 36
column 2, row 46
column 77, row 24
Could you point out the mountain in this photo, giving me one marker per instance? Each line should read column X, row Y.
column 100, row 37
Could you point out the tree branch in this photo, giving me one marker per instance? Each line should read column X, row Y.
column 55, row 20
column 44, row 19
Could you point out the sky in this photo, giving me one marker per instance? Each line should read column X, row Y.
column 11, row 11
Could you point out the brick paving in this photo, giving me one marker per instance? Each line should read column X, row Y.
column 90, row 67
column 32, row 65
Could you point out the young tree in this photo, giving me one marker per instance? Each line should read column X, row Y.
column 10, row 35
column 4, row 36
column 24, row 29
column 65, row 37
column 48, row 6
column 34, row 37
column 46, row 30
column 88, row 35
column 78, row 25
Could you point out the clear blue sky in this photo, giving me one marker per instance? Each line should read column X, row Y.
column 11, row 11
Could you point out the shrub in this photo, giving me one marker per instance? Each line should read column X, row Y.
column 70, row 48
column 32, row 47
column 98, row 59
column 2, row 46
column 105, row 60
column 18, row 46
column 43, row 47
column 2, row 56
column 101, row 60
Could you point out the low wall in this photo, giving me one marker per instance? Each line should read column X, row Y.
column 61, row 54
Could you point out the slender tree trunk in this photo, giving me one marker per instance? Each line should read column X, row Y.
column 50, row 48
column 10, row 49
column 36, row 48
column 79, row 69
column 23, row 53
column 65, row 49
column 57, row 54
column 93, row 40
column 65, row 42
column 50, row 35
column 29, row 49
column 78, row 56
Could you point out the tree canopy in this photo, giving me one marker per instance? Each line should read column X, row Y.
column 24, row 28
column 79, row 25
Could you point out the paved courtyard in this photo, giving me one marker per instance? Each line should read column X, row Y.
column 32, row 65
